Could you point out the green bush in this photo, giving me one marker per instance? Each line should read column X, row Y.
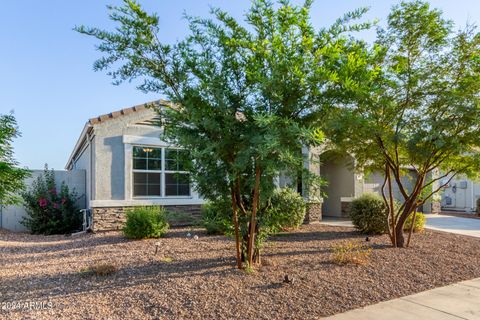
column 49, row 210
column 419, row 222
column 369, row 214
column 288, row 209
column 217, row 216
column 145, row 222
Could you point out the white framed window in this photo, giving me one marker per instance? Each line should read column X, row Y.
column 177, row 179
column 159, row 172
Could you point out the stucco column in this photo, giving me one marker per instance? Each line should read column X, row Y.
column 433, row 205
column 311, row 194
column 128, row 171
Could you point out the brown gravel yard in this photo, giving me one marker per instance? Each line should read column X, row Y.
column 196, row 279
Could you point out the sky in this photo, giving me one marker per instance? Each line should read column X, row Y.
column 46, row 73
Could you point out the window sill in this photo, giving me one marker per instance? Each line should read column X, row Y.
column 147, row 202
column 160, row 198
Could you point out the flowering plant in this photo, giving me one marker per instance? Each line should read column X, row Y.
column 51, row 210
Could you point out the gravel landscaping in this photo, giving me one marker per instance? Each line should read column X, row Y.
column 193, row 278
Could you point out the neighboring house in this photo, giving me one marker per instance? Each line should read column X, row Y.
column 128, row 164
column 460, row 194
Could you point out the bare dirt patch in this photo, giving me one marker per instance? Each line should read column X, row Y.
column 196, row 279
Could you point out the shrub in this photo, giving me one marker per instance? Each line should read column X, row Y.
column 145, row 222
column 49, row 210
column 351, row 252
column 419, row 222
column 288, row 209
column 478, row 207
column 100, row 269
column 216, row 217
column 369, row 214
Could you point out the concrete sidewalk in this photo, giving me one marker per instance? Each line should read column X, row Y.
column 456, row 301
column 336, row 222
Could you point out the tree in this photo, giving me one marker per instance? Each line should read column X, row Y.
column 11, row 177
column 51, row 209
column 417, row 108
column 243, row 97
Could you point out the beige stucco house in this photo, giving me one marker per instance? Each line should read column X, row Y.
column 128, row 164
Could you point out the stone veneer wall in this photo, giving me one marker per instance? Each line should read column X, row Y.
column 345, row 205
column 313, row 212
column 113, row 218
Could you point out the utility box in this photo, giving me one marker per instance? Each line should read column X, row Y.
column 448, row 201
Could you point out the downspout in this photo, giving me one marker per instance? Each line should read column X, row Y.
column 472, row 207
column 92, row 180
column 87, row 222
column 89, row 139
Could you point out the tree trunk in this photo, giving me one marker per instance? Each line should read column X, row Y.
column 391, row 208
column 253, row 218
column 401, row 222
column 237, row 232
column 399, row 236
column 412, row 227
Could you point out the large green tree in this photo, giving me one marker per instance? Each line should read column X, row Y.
column 243, row 96
column 416, row 110
column 11, row 177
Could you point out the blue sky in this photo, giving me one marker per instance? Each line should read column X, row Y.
column 46, row 68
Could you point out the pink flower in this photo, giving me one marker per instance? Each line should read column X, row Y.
column 42, row 202
column 55, row 205
column 64, row 200
column 53, row 191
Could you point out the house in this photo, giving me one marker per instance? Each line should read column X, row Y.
column 460, row 194
column 128, row 164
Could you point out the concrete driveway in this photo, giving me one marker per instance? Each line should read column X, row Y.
column 446, row 223
column 440, row 222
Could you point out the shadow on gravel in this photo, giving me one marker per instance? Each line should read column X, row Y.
column 152, row 273
column 271, row 286
column 316, row 236
column 73, row 243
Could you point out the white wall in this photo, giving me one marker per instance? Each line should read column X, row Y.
column 463, row 194
column 340, row 177
column 11, row 216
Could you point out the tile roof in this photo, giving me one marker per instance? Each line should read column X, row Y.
column 126, row 111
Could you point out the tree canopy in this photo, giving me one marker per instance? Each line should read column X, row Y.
column 417, row 109
column 11, row 177
column 245, row 96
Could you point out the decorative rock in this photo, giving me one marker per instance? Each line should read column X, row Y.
column 286, row 279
